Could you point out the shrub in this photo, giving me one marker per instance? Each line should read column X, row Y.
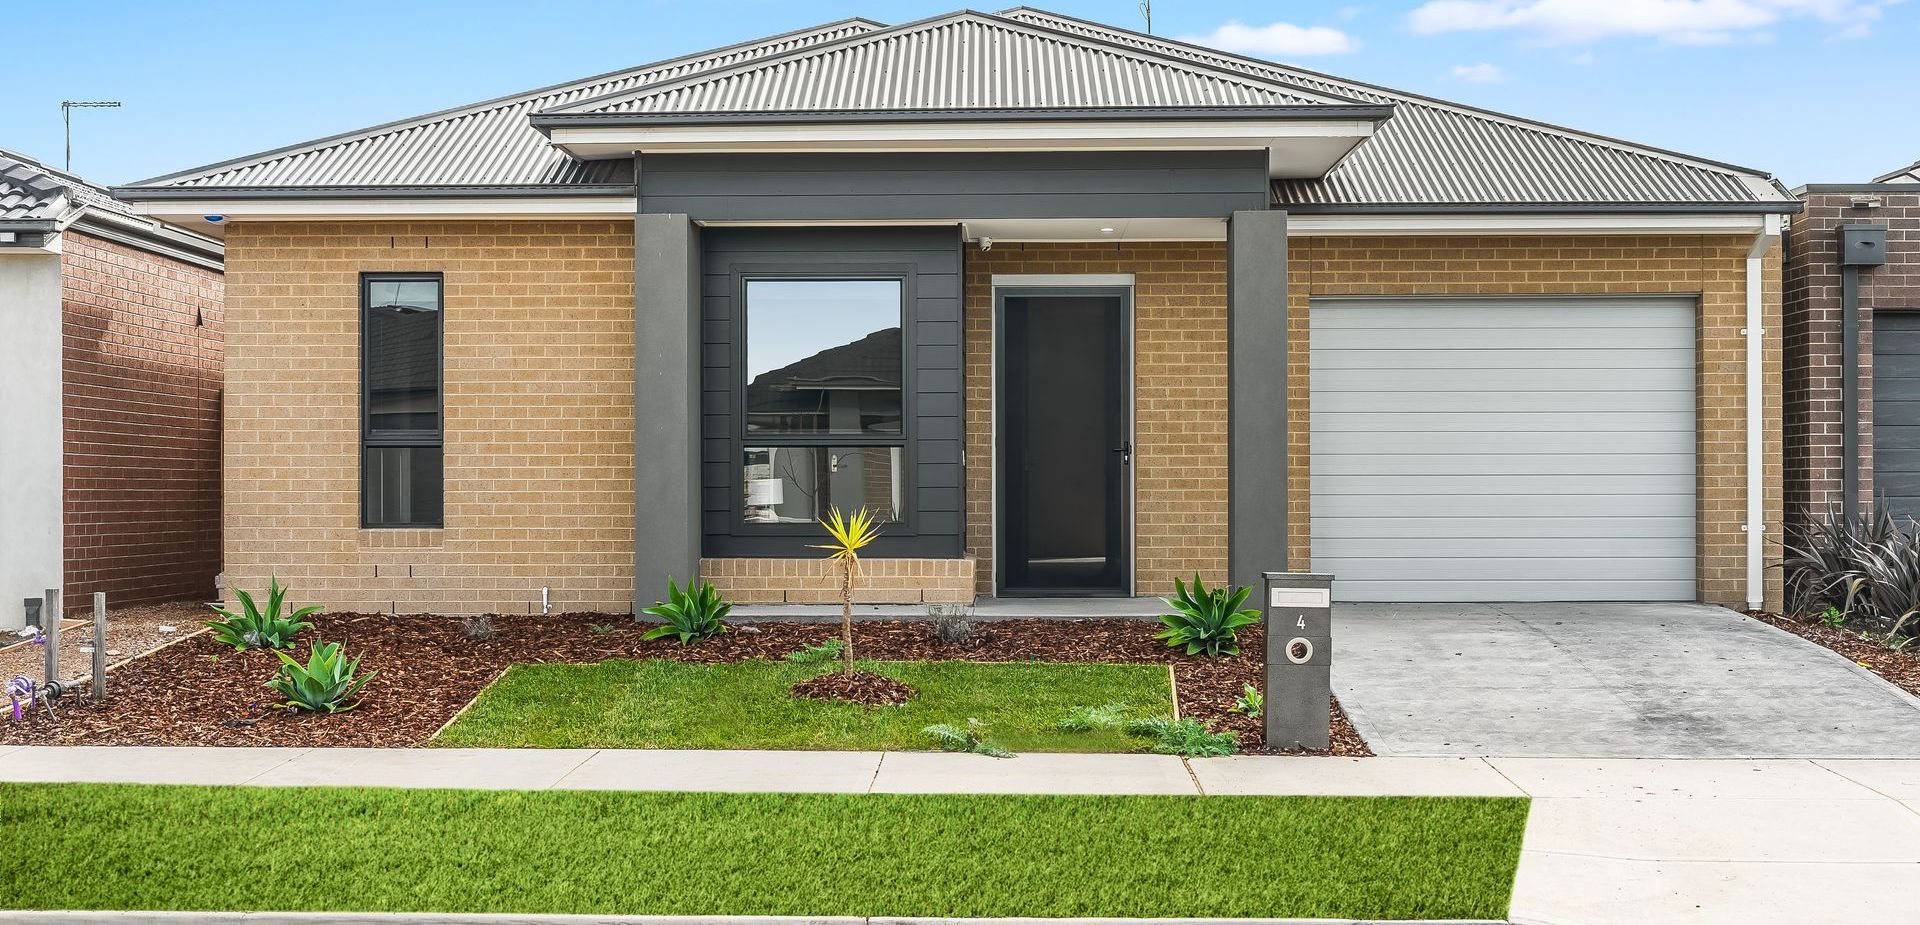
column 849, row 535
column 1204, row 621
column 819, row 654
column 691, row 615
column 1864, row 572
column 326, row 683
column 1187, row 738
column 478, row 626
column 971, row 739
column 253, row 628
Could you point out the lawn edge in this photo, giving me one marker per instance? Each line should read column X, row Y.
column 136, row 917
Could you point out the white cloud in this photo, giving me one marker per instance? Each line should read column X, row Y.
column 1279, row 38
column 1481, row 73
column 1680, row 22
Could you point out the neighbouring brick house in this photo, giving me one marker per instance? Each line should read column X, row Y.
column 1864, row 290
column 110, row 478
column 1077, row 310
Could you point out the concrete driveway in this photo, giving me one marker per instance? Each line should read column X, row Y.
column 1606, row 681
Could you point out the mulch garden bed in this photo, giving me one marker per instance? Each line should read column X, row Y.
column 198, row 692
column 1902, row 668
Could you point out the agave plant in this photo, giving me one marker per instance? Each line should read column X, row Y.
column 254, row 628
column 692, row 615
column 1206, row 621
column 849, row 535
column 326, row 683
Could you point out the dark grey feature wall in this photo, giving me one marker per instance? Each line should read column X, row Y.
column 1896, row 411
column 666, row 380
column 1256, row 396
column 930, row 260
column 939, row 187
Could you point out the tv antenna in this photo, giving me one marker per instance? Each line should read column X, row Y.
column 1146, row 12
column 66, row 116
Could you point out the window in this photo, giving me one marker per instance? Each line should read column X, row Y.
column 823, row 426
column 401, row 419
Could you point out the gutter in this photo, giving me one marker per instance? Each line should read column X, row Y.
column 1317, row 113
column 205, row 193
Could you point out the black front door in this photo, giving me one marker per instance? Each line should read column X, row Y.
column 1064, row 450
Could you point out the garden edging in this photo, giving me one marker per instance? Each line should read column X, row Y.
column 429, row 918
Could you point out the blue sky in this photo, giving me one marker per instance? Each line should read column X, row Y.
column 1811, row 90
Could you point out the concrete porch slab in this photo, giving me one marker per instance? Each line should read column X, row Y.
column 986, row 608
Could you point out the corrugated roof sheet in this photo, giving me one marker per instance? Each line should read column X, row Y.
column 32, row 191
column 958, row 61
column 1433, row 152
column 1907, row 174
column 485, row 144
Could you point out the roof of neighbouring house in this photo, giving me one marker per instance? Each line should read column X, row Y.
column 39, row 199
column 1907, row 174
column 1426, row 154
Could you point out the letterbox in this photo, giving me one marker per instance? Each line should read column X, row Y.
column 1299, row 609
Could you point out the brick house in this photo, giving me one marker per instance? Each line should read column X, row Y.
column 110, row 480
column 1853, row 265
column 1077, row 310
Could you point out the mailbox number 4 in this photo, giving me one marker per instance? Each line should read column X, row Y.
column 1302, row 624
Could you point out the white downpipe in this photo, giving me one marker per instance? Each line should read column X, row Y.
column 1756, row 419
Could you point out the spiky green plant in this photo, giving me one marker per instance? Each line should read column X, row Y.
column 816, row 654
column 254, row 628
column 691, row 615
column 1206, row 621
column 849, row 535
column 1186, row 737
column 1087, row 719
column 326, row 683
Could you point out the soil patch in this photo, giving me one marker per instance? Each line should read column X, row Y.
column 862, row 687
column 202, row 693
column 1902, row 667
column 130, row 631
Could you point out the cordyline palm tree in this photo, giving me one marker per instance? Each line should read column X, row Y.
column 849, row 535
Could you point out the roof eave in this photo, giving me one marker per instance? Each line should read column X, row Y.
column 245, row 193
column 1788, row 207
column 1369, row 113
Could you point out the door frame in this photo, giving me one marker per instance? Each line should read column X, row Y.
column 1065, row 284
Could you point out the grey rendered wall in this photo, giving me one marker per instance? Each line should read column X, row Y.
column 666, row 422
column 1256, row 396
column 933, row 454
column 937, row 187
column 31, row 485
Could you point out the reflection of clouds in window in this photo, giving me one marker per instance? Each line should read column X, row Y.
column 789, row 320
column 404, row 296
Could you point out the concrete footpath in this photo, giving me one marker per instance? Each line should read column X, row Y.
column 1608, row 840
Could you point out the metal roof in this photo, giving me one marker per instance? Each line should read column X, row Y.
column 1433, row 152
column 484, row 144
column 958, row 61
column 1907, row 174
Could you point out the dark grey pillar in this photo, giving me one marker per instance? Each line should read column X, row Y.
column 666, row 403
column 1256, row 396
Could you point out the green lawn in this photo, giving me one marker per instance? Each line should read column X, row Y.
column 668, row 704
column 116, row 846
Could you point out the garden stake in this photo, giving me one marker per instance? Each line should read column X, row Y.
column 99, row 645
column 53, row 614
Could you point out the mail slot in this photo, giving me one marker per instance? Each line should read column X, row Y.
column 1299, row 659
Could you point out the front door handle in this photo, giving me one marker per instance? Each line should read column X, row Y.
column 1126, row 453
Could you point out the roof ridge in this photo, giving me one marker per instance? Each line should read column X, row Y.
column 1042, row 30
column 498, row 102
column 1477, row 112
column 1911, row 170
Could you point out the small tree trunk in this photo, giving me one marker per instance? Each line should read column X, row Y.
column 846, row 618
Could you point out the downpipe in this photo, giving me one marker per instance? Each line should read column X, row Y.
column 1755, row 334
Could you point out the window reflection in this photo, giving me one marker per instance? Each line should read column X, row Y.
column 799, row 484
column 824, row 357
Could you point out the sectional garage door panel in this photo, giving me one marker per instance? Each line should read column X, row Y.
column 1504, row 449
column 1896, row 411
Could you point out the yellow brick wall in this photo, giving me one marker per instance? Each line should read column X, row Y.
column 1712, row 267
column 817, row 581
column 1179, row 391
column 539, row 416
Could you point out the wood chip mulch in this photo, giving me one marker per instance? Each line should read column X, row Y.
column 1902, row 667
column 198, row 692
column 863, row 687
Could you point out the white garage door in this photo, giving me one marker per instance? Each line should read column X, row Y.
column 1529, row 449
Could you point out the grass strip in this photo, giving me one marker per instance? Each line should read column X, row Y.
column 120, row 846
column 667, row 704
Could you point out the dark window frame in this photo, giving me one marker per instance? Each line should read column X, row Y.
column 740, row 439
column 370, row 438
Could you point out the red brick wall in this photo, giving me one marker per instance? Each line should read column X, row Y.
column 1812, row 341
column 142, row 371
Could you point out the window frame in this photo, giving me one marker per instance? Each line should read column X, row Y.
column 370, row 438
column 738, row 437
